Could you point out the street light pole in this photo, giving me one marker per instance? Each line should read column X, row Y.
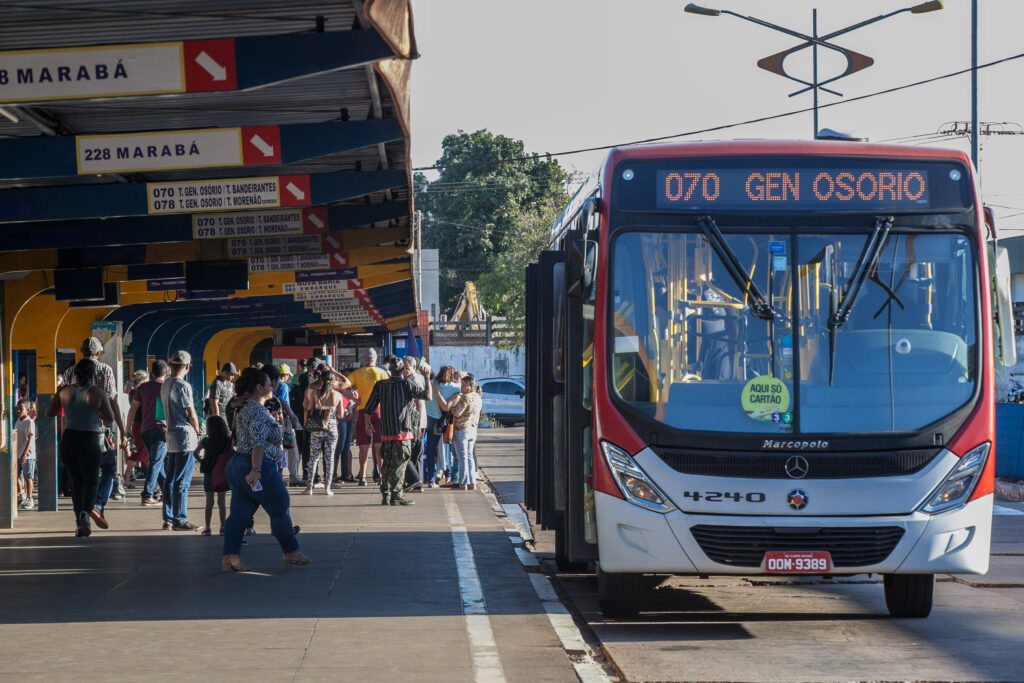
column 854, row 61
column 974, row 82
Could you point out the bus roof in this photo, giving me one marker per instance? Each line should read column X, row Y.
column 782, row 147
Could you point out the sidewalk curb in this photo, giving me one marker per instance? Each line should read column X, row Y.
column 1012, row 491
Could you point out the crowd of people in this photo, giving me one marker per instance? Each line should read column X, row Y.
column 260, row 424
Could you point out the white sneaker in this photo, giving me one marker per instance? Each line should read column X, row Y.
column 309, row 491
column 329, row 492
column 318, row 485
column 28, row 504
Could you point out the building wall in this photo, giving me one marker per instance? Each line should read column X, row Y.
column 480, row 361
column 431, row 292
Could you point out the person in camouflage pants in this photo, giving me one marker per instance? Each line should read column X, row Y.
column 399, row 423
column 395, row 456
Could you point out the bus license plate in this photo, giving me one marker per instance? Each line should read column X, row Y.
column 797, row 561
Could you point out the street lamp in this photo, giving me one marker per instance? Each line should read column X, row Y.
column 854, row 61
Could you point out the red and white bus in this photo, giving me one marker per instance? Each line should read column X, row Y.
column 767, row 358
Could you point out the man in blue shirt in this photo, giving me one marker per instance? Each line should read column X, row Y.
column 281, row 393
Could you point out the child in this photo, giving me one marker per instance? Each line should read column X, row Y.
column 26, row 431
column 216, row 451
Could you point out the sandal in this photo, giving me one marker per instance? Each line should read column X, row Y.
column 206, row 532
column 233, row 563
column 296, row 558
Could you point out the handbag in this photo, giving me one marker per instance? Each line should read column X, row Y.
column 449, row 432
column 288, row 438
column 316, row 418
column 219, row 478
column 442, row 424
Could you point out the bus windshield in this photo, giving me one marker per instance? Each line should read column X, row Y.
column 689, row 351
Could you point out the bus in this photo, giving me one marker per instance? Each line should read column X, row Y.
column 768, row 358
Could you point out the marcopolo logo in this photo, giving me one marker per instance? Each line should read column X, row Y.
column 793, row 445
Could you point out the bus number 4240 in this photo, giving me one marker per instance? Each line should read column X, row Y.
column 722, row 497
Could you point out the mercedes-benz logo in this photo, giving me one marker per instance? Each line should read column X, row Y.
column 797, row 467
column 797, row 499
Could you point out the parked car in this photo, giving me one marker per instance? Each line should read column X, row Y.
column 504, row 399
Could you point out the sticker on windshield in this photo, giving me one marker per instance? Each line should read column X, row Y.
column 765, row 397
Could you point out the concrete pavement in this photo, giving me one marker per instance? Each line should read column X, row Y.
column 781, row 629
column 430, row 592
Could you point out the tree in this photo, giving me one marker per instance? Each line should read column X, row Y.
column 485, row 214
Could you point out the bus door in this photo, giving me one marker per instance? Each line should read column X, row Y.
column 575, row 339
column 544, row 486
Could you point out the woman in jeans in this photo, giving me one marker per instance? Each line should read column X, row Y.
column 465, row 409
column 81, row 445
column 254, row 474
column 436, row 461
column 321, row 397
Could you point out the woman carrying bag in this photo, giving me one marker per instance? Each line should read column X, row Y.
column 437, row 460
column 321, row 406
column 254, row 474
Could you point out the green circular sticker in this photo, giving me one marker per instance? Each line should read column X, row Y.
column 763, row 396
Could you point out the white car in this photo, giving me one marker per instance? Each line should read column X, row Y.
column 504, row 399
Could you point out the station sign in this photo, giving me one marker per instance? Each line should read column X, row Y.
column 336, row 306
column 203, row 148
column 280, row 245
column 259, row 223
column 323, row 275
column 227, row 194
column 325, row 286
column 272, row 264
column 165, row 284
column 117, row 70
column 333, row 295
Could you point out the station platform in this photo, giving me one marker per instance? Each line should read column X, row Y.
column 393, row 593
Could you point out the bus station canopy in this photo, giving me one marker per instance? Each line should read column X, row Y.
column 182, row 147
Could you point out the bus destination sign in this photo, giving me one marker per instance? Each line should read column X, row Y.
column 758, row 189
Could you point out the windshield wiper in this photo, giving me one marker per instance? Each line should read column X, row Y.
column 758, row 305
column 866, row 264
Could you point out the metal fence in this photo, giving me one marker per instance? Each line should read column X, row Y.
column 472, row 332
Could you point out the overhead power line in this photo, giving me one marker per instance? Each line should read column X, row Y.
column 726, row 126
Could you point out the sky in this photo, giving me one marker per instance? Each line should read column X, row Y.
column 568, row 74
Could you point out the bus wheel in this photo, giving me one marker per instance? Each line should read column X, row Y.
column 562, row 557
column 909, row 595
column 619, row 595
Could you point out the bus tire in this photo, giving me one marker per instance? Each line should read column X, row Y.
column 562, row 557
column 619, row 595
column 909, row 595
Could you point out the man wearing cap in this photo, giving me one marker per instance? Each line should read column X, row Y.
column 399, row 425
column 104, row 379
column 222, row 389
column 368, row 433
column 281, row 393
column 182, row 439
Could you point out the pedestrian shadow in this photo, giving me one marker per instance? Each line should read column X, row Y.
column 168, row 576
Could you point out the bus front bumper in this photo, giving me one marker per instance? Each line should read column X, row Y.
column 634, row 540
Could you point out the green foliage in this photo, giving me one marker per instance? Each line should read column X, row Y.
column 488, row 214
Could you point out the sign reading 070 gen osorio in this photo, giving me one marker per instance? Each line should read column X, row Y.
column 227, row 195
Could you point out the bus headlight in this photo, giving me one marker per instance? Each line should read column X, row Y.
column 958, row 485
column 637, row 488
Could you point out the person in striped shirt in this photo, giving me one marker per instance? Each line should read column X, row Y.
column 399, row 425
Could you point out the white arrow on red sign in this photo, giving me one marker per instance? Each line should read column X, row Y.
column 210, row 65
column 262, row 145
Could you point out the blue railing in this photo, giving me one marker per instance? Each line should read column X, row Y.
column 1010, row 440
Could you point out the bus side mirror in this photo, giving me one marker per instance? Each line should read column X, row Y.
column 1006, row 344
column 591, row 219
